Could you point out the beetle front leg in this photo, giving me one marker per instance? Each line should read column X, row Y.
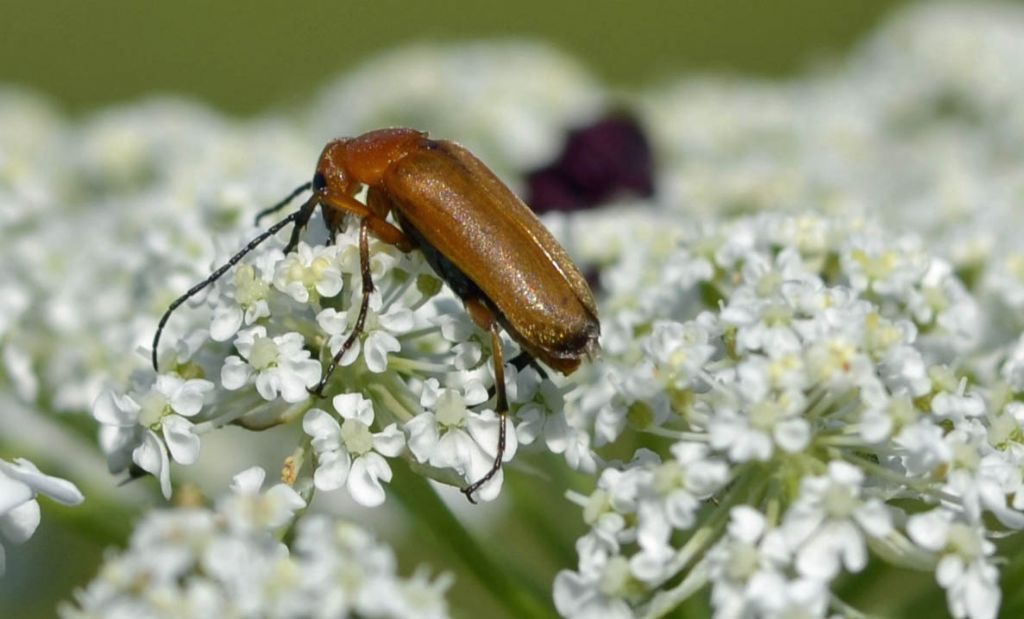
column 381, row 228
column 357, row 330
column 479, row 314
column 301, row 219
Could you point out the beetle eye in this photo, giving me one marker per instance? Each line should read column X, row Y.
column 319, row 182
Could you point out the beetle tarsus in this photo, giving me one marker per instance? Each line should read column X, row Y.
column 496, row 466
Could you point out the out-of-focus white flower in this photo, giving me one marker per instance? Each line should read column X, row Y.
column 749, row 569
column 199, row 562
column 134, row 425
column 965, row 569
column 20, row 483
column 249, row 508
column 829, row 523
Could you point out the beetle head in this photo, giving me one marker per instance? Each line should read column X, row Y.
column 331, row 170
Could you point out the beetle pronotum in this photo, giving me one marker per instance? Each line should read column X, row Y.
column 475, row 233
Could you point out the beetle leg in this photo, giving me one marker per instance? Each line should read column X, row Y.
column 525, row 359
column 357, row 330
column 301, row 219
column 520, row 361
column 381, row 228
column 480, row 314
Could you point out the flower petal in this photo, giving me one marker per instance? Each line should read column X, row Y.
column 235, row 373
column 12, row 493
column 389, row 442
column 322, row 426
column 187, row 399
column 249, row 481
column 226, row 321
column 114, row 410
column 354, row 406
column 423, row 436
column 181, row 441
column 332, row 470
column 151, row 456
column 364, row 481
column 60, row 490
column 20, row 523
column 376, row 348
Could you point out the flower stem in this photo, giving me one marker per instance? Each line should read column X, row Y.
column 436, row 522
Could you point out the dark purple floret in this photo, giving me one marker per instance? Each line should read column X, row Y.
column 607, row 159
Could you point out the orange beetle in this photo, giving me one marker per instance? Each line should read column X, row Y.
column 474, row 232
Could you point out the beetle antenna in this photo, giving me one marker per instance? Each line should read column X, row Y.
column 283, row 203
column 271, row 231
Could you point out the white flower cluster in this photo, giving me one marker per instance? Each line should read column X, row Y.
column 103, row 222
column 230, row 562
column 20, row 483
column 808, row 377
column 917, row 128
column 791, row 389
column 106, row 221
column 395, row 385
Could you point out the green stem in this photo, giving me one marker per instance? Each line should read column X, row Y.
column 434, row 521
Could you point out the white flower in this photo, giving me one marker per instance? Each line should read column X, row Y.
column 458, row 328
column 749, row 572
column 350, row 454
column 540, row 412
column 828, row 523
column 762, row 309
column 379, row 331
column 249, row 300
column 597, row 592
column 979, row 480
column 452, row 436
column 231, row 562
column 309, row 270
column 965, row 569
column 669, row 502
column 247, row 508
column 766, row 417
column 680, row 351
column 278, row 366
column 131, row 425
column 958, row 406
column 1013, row 368
column 20, row 483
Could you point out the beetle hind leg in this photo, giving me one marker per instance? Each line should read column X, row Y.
column 485, row 318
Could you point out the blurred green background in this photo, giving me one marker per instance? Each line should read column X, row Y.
column 244, row 57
